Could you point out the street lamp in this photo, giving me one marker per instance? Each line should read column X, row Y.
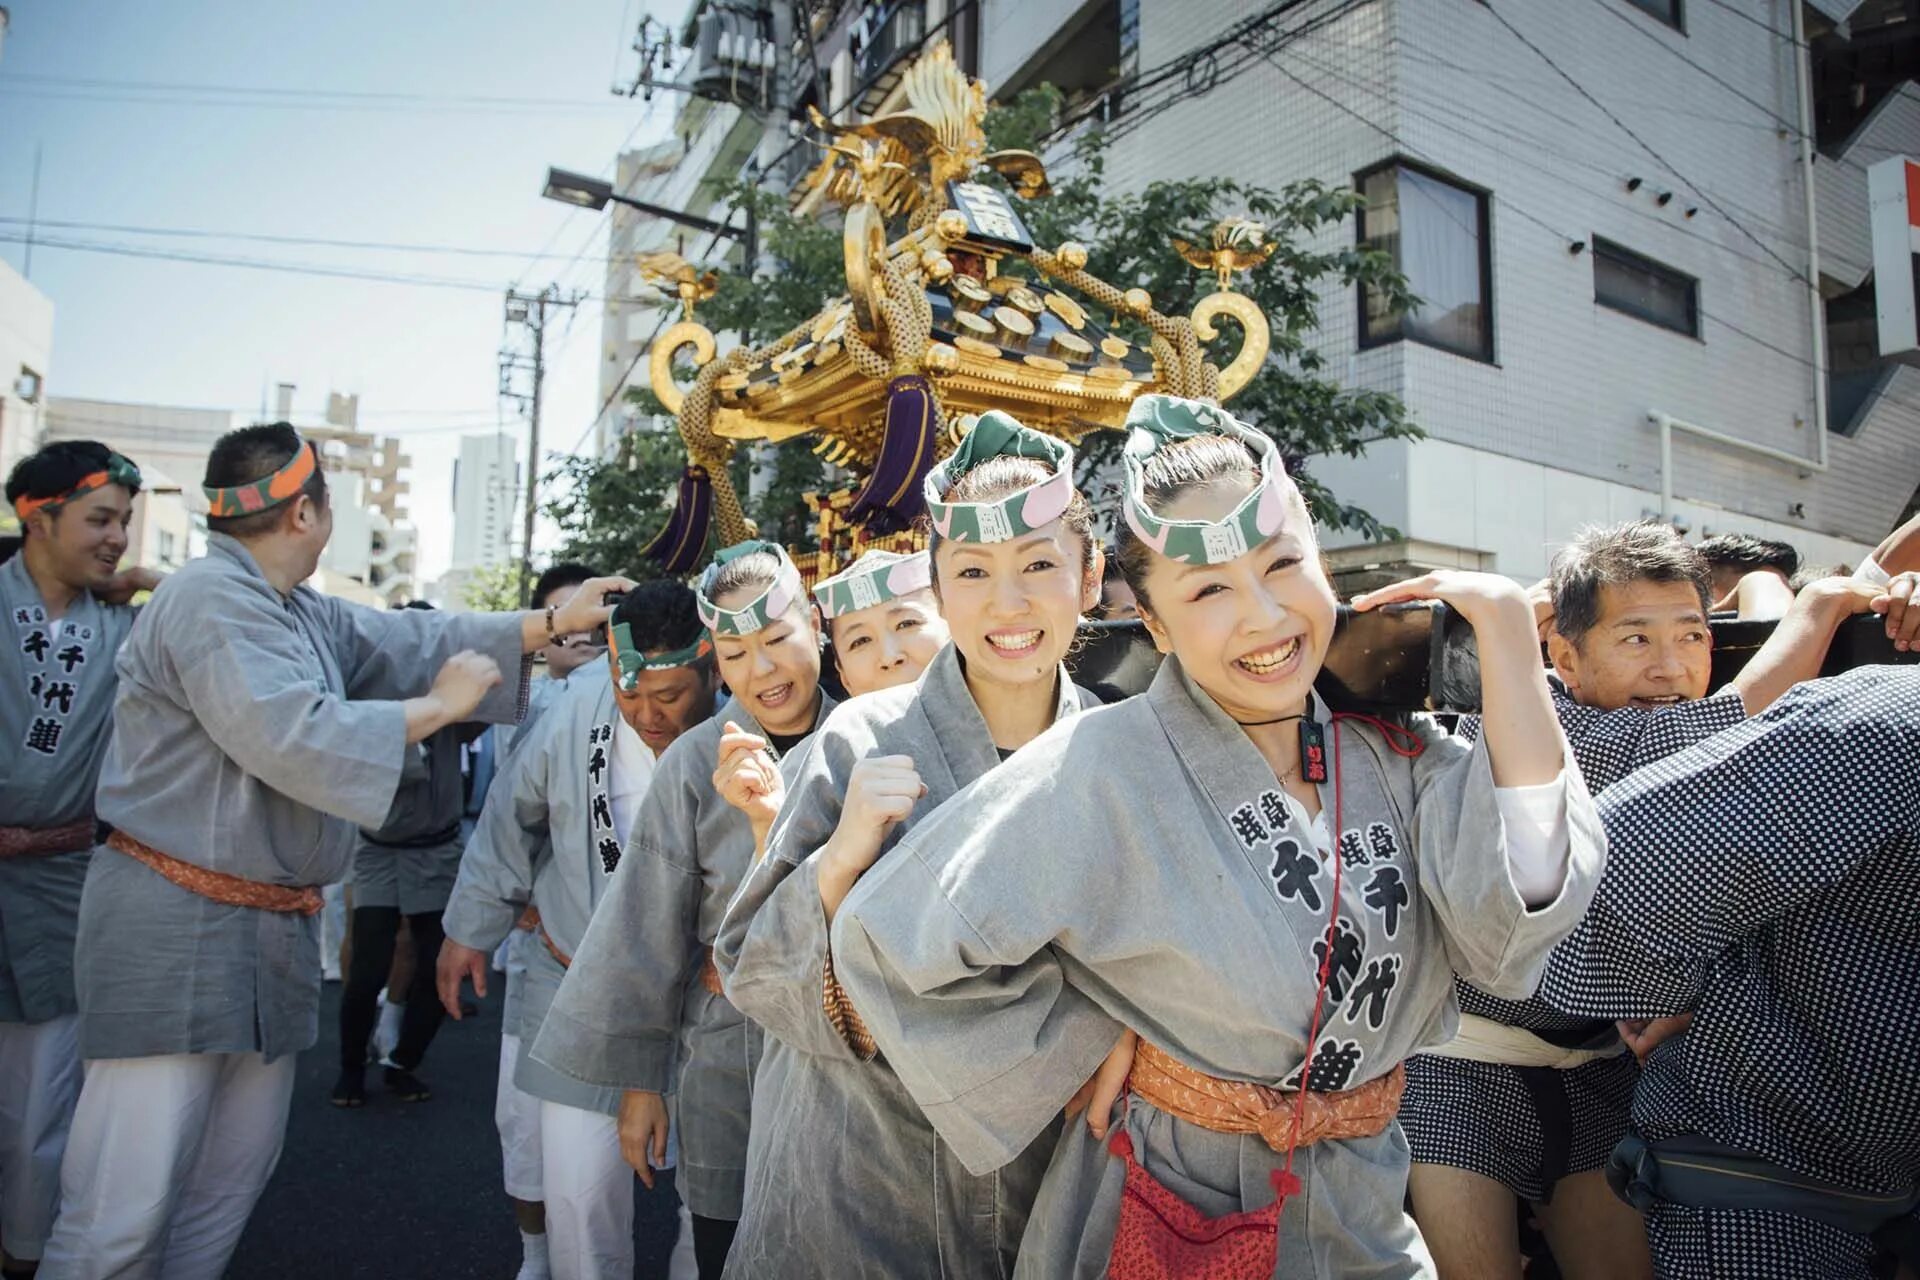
column 583, row 192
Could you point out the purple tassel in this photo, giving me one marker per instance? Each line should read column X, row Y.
column 892, row 498
column 679, row 547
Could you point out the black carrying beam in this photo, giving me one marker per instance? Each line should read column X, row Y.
column 1421, row 657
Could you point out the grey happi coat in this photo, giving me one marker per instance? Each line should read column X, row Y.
column 411, row 861
column 56, row 696
column 837, row 1139
column 252, row 734
column 546, row 837
column 1138, row 866
column 633, row 1012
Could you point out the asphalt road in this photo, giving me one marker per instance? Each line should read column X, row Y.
column 399, row 1189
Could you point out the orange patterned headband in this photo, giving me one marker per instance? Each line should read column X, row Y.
column 119, row 470
column 266, row 493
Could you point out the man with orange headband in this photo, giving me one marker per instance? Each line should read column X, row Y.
column 256, row 725
column 555, row 824
column 67, row 608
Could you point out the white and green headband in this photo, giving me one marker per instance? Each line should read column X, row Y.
column 997, row 434
column 781, row 594
column 874, row 579
column 1156, row 421
column 633, row 661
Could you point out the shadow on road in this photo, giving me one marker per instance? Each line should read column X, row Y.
column 399, row 1189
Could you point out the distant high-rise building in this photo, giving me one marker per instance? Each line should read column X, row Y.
column 486, row 489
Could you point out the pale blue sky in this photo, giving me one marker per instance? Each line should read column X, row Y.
column 417, row 172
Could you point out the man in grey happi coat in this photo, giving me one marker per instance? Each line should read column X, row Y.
column 67, row 617
column 551, row 837
column 257, row 724
column 404, row 870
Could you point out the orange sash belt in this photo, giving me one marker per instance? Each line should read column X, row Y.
column 232, row 891
column 709, row 974
column 23, row 842
column 1235, row 1106
column 566, row 961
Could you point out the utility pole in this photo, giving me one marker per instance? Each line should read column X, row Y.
column 523, row 350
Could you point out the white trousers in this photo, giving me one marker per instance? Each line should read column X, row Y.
column 516, row 1114
column 39, row 1083
column 589, row 1195
column 167, row 1157
column 333, row 929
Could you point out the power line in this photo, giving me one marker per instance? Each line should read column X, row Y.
column 1645, row 146
column 1462, row 117
column 264, row 237
column 268, row 95
column 1761, row 23
column 1559, row 235
column 1792, row 127
column 257, row 264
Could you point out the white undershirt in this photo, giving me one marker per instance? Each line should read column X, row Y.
column 1535, row 819
column 1871, row 573
column 632, row 771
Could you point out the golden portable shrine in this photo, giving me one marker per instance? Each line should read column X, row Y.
column 934, row 328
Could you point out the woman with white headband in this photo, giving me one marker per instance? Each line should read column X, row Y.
column 847, row 1177
column 1273, row 896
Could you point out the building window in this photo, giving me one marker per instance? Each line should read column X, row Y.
column 168, row 547
column 1641, row 287
column 1436, row 232
column 1668, row 11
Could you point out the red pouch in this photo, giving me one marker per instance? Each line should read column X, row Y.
column 1162, row 1237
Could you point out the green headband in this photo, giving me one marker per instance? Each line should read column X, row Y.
column 1156, row 421
column 996, row 435
column 781, row 594
column 632, row 661
column 874, row 579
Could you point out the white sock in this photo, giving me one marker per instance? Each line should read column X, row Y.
column 533, row 1257
column 388, row 1034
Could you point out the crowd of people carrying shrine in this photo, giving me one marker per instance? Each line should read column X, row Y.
column 965, row 974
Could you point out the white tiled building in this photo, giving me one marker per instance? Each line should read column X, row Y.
column 1605, row 205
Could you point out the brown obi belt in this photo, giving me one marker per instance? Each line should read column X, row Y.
column 529, row 919
column 218, row 886
column 1235, row 1106
column 709, row 975
column 27, row 842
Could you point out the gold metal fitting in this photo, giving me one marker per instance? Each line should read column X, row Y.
column 1069, row 310
column 1072, row 255
column 940, row 359
column 1070, row 345
column 1026, row 299
column 950, row 225
column 1014, row 321
column 938, row 266
column 1137, row 301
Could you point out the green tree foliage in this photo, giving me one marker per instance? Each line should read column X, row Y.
column 611, row 509
column 493, row 589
